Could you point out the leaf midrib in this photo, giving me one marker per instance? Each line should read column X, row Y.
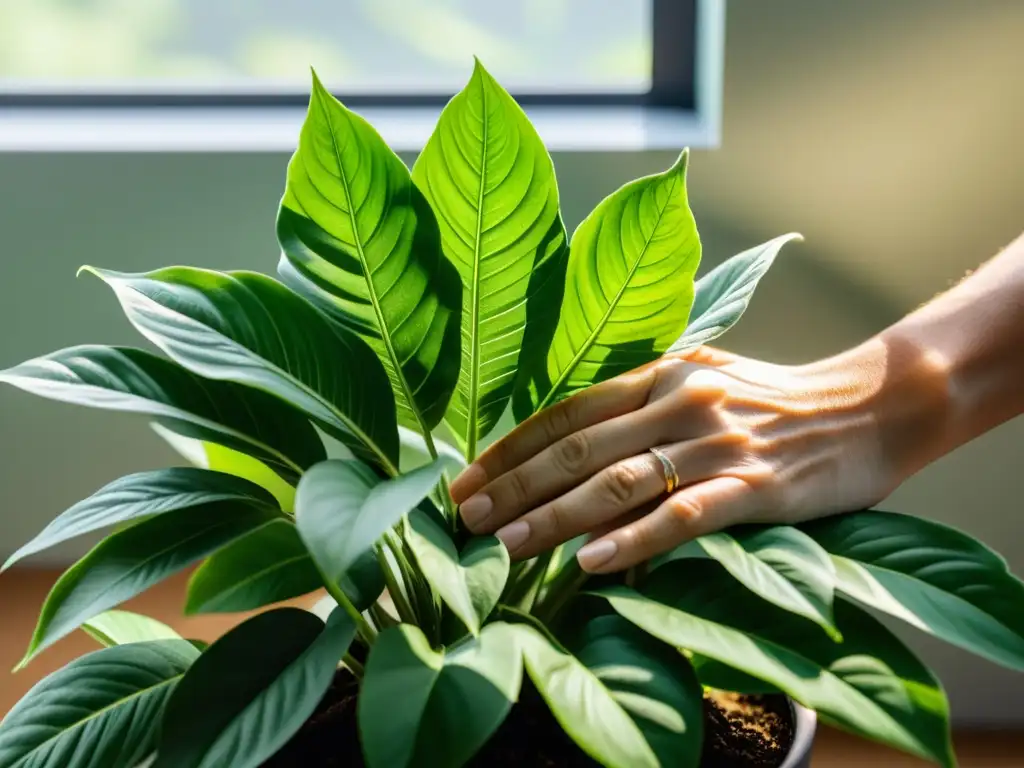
column 472, row 423
column 371, row 288
column 592, row 338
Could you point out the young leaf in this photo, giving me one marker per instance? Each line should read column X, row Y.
column 491, row 183
column 419, row 707
column 144, row 494
column 134, row 559
column 361, row 243
column 122, row 627
column 723, row 294
column 102, row 710
column 246, row 696
column 249, row 329
column 134, row 381
column 627, row 700
column 933, row 577
column 870, row 684
column 342, row 508
column 782, row 565
column 470, row 584
column 266, row 566
column 628, row 292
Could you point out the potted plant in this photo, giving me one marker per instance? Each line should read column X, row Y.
column 414, row 310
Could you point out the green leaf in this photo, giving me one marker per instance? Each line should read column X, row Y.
column 419, row 707
column 931, row 576
column 628, row 291
column 141, row 495
column 360, row 242
column 723, row 294
column 623, row 700
column 249, row 329
column 491, row 183
column 131, row 560
column 342, row 508
column 471, row 583
column 207, row 455
column 870, row 684
column 122, row 627
column 134, row 381
column 782, row 565
column 101, row 710
column 266, row 566
column 252, row 690
column 415, row 453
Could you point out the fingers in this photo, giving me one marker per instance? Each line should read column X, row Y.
column 602, row 402
column 687, row 514
column 613, row 492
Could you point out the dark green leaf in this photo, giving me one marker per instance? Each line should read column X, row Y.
column 492, row 185
column 342, row 508
column 134, row 559
column 100, row 711
column 723, row 294
column 252, row 690
column 249, row 329
column 134, row 381
column 266, row 566
column 870, row 684
column 421, row 707
column 145, row 494
column 931, row 576
column 782, row 565
column 122, row 627
column 471, row 583
column 361, row 243
column 629, row 288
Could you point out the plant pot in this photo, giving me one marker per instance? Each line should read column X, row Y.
column 330, row 738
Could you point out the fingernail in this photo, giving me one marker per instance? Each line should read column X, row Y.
column 597, row 553
column 471, row 478
column 514, row 535
column 476, row 509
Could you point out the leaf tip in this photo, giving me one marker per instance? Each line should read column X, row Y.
column 88, row 270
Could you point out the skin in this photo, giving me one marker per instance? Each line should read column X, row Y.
column 753, row 441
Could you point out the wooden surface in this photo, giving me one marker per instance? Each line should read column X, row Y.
column 22, row 592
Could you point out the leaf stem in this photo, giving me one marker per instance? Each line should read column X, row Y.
column 367, row 632
column 402, row 605
column 566, row 583
column 354, row 666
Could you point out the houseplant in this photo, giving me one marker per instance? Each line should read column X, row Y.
column 416, row 305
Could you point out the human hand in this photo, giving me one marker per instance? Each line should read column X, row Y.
column 750, row 441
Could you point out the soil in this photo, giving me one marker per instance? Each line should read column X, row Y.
column 740, row 732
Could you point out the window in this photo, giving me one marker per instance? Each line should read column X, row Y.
column 145, row 72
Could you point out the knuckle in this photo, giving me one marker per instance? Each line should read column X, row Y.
column 572, row 452
column 619, row 483
column 559, row 420
column 686, row 509
column 519, row 486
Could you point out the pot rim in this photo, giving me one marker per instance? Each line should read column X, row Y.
column 805, row 723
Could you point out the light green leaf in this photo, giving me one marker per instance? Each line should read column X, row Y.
column 249, row 329
column 414, row 452
column 870, row 684
column 266, row 566
column 207, row 455
column 420, row 707
column 134, row 381
column 491, row 183
column 628, row 291
column 621, row 700
column 361, row 243
column 933, row 577
column 252, row 690
column 782, row 565
column 723, row 294
column 141, row 495
column 102, row 710
column 342, row 508
column 134, row 559
column 470, row 584
column 122, row 627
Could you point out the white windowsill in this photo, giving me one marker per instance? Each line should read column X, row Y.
column 244, row 129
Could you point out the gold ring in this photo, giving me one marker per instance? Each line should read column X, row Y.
column 668, row 469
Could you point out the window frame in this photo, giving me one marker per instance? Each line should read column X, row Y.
column 682, row 107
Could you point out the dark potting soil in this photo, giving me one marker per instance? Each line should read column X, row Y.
column 739, row 732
